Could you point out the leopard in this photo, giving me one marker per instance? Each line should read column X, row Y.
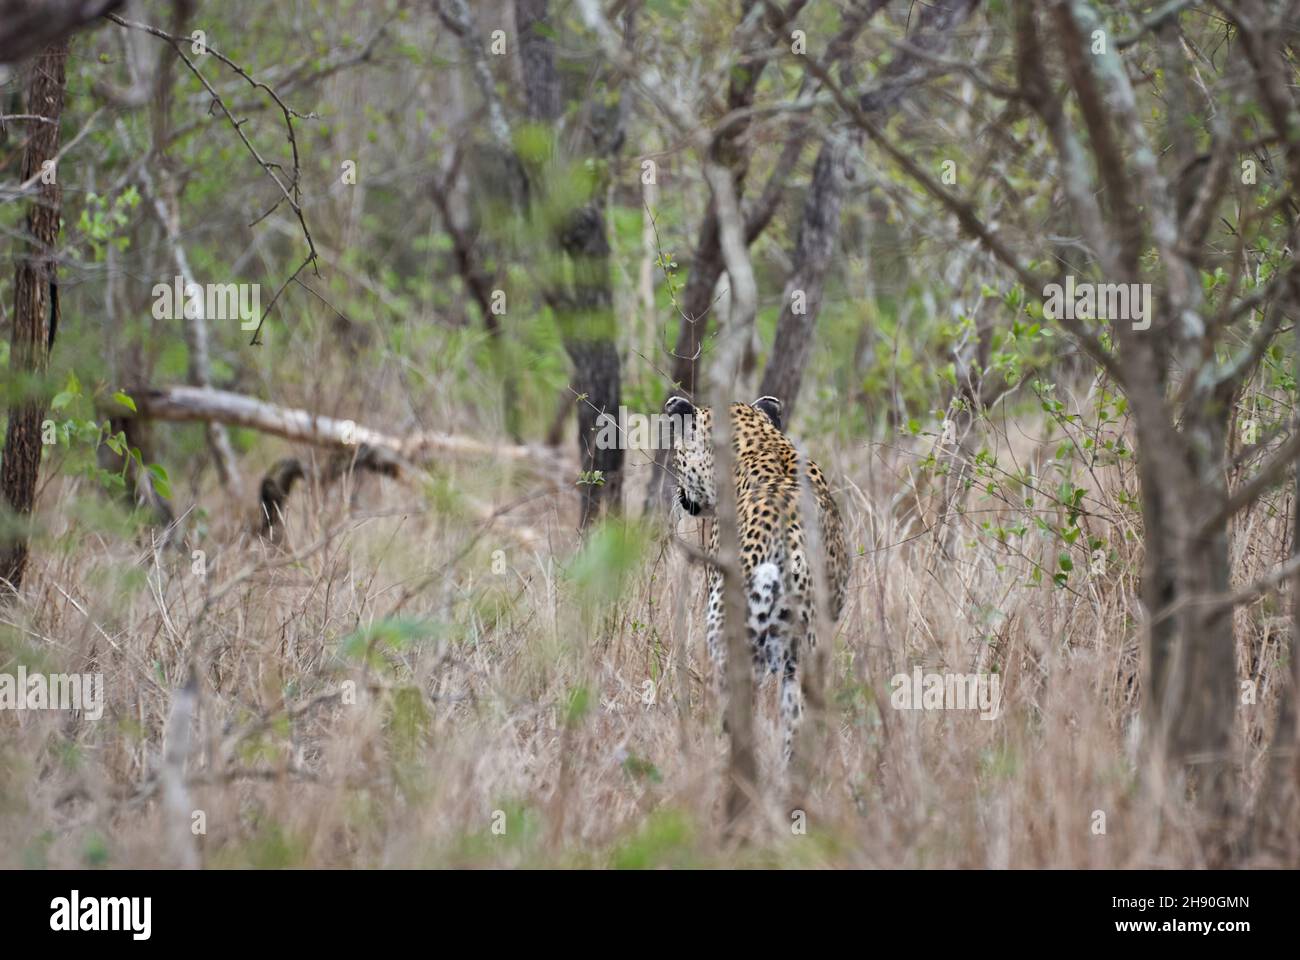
column 774, row 563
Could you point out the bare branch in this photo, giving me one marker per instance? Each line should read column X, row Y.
column 291, row 191
column 1155, row 20
column 456, row 15
column 969, row 222
column 1269, row 473
column 194, row 320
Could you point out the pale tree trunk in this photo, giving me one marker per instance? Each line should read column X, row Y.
column 647, row 333
column 196, row 332
column 190, row 404
column 36, row 308
column 162, row 195
column 742, row 766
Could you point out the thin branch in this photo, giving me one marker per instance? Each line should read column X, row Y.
column 1171, row 9
column 292, row 191
column 1250, row 491
column 969, row 222
column 1234, row 598
column 1239, row 368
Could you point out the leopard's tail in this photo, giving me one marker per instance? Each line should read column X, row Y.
column 766, row 623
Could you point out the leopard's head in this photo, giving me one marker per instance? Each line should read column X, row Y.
column 693, row 454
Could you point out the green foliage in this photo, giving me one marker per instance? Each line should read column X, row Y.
column 639, row 768
column 407, row 723
column 613, row 552
column 79, row 436
column 578, row 706
column 664, row 840
column 382, row 642
column 101, row 221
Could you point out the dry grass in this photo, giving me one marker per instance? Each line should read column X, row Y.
column 469, row 709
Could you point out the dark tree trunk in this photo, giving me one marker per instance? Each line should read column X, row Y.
column 818, row 232
column 697, row 298
column 1190, row 698
column 819, row 229
column 584, row 307
column 596, row 364
column 28, row 25
column 36, row 309
column 705, row 270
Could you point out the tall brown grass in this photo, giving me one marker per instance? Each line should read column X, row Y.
column 500, row 718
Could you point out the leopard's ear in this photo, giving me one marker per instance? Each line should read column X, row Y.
column 676, row 406
column 770, row 406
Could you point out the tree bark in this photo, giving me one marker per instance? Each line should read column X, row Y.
column 28, row 25
column 819, row 228
column 195, row 325
column 36, row 309
column 182, row 404
column 1189, row 700
column 818, row 232
column 584, row 306
column 742, row 764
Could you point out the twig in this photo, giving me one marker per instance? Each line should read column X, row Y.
column 292, row 192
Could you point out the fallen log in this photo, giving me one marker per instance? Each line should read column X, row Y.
column 182, row 404
column 355, row 446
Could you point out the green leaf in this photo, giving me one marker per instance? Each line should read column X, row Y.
column 392, row 634
column 641, row 768
column 578, row 705
column 161, row 482
column 124, row 400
